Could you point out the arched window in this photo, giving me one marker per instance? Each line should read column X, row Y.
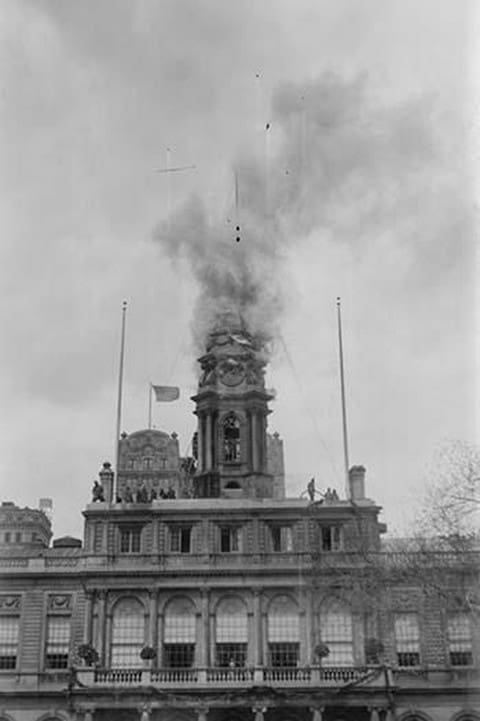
column 283, row 632
column 336, row 631
column 128, row 634
column 179, row 634
column 231, row 439
column 231, row 633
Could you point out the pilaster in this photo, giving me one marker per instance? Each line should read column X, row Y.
column 88, row 619
column 101, row 626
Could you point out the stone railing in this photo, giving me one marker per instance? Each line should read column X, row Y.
column 118, row 676
column 167, row 676
column 310, row 676
column 230, row 675
column 287, row 675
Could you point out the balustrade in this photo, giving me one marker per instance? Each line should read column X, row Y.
column 118, row 676
column 275, row 675
column 230, row 675
column 287, row 674
column 167, row 676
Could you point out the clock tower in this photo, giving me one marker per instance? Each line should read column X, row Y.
column 232, row 409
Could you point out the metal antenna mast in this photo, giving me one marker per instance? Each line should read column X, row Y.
column 344, row 405
column 119, row 399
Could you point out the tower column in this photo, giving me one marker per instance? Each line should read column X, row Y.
column 200, row 443
column 254, row 441
column 208, row 442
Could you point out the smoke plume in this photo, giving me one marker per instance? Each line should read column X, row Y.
column 332, row 163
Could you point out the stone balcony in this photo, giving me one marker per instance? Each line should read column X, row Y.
column 228, row 678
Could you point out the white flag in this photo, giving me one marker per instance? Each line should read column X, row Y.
column 166, row 393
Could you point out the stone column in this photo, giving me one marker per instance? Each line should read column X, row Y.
column 208, row 442
column 200, row 443
column 264, row 638
column 101, row 623
column 374, row 715
column 317, row 713
column 152, row 621
column 308, row 625
column 254, row 441
column 87, row 621
column 257, row 623
column 88, row 715
column 303, row 657
column 160, row 632
column 204, row 636
column 261, row 443
column 202, row 714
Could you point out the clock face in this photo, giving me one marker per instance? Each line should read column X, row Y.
column 231, row 372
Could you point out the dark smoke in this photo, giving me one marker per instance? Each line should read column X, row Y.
column 339, row 166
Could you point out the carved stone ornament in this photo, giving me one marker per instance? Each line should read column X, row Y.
column 9, row 603
column 60, row 602
column 231, row 372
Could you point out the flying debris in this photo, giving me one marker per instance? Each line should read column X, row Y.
column 176, row 170
column 267, row 126
column 240, row 339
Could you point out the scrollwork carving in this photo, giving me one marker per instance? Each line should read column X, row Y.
column 9, row 603
column 60, row 602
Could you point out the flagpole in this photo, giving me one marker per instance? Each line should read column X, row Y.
column 342, row 391
column 149, row 406
column 119, row 399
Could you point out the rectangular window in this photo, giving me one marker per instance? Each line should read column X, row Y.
column 460, row 640
column 331, row 538
column 281, row 538
column 229, row 539
column 231, row 654
column 9, row 627
column 180, row 539
column 130, row 540
column 283, row 654
column 8, row 536
column 178, row 655
column 407, row 639
column 18, row 537
column 58, row 642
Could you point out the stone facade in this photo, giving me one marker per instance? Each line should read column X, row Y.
column 226, row 601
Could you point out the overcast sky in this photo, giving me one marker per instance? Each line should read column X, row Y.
column 367, row 165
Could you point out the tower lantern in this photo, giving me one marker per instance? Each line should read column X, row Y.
column 232, row 410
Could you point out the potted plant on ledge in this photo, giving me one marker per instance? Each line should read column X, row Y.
column 88, row 654
column 148, row 653
column 321, row 651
